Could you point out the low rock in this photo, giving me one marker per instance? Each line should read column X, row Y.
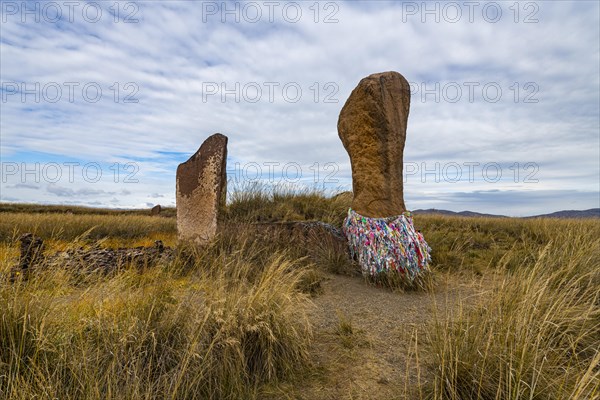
column 156, row 210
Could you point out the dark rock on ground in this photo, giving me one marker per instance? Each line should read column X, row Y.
column 82, row 260
column 156, row 210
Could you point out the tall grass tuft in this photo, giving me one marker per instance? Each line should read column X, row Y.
column 536, row 336
column 262, row 203
column 218, row 330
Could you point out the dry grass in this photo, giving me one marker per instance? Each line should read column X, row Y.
column 536, row 334
column 233, row 318
column 218, row 328
column 69, row 227
column 80, row 210
column 257, row 203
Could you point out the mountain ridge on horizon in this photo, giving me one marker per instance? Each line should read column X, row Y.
column 579, row 214
column 40, row 208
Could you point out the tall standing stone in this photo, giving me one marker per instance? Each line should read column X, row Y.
column 380, row 233
column 201, row 191
column 372, row 127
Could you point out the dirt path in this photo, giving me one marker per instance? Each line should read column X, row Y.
column 364, row 338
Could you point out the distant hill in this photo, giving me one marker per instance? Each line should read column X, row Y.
column 457, row 214
column 591, row 213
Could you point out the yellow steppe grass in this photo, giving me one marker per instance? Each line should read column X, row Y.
column 236, row 318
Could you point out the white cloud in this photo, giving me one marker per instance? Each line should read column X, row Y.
column 171, row 55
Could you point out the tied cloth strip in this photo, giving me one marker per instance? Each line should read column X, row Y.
column 387, row 244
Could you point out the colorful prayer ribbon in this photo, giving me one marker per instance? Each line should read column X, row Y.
column 387, row 244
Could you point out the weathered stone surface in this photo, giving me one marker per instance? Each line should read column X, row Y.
column 32, row 250
column 372, row 127
column 86, row 260
column 201, row 188
column 107, row 260
column 156, row 210
column 32, row 253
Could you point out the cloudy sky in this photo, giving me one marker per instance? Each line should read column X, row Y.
column 102, row 100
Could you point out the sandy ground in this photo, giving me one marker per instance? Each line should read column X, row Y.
column 364, row 338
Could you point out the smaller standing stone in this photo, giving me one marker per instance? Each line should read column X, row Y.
column 156, row 210
column 201, row 191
